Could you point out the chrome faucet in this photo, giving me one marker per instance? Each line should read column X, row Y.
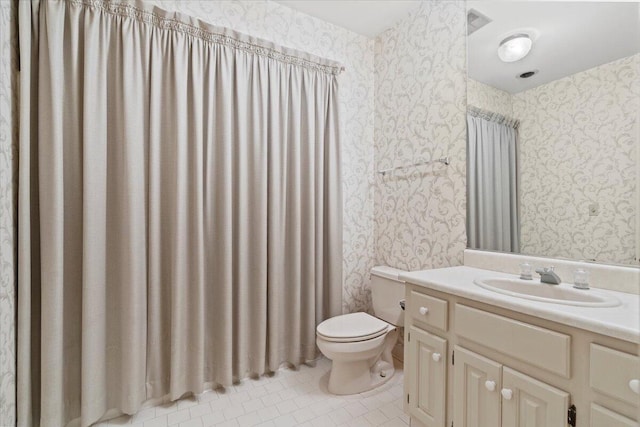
column 547, row 275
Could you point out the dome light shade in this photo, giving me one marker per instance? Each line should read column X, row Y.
column 514, row 47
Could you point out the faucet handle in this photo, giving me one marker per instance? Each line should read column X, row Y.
column 581, row 279
column 525, row 271
column 547, row 275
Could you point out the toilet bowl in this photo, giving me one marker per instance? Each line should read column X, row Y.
column 358, row 344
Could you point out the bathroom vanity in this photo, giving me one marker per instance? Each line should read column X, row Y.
column 475, row 356
column 483, row 347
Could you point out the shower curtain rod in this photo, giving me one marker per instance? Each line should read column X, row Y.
column 443, row 160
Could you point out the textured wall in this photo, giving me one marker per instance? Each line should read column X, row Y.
column 489, row 98
column 8, row 170
column 578, row 145
column 420, row 72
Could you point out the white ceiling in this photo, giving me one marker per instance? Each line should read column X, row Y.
column 569, row 37
column 366, row 17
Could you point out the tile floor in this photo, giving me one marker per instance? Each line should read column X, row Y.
column 288, row 398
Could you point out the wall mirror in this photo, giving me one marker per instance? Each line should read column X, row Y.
column 553, row 129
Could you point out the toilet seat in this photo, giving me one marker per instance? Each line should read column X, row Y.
column 352, row 327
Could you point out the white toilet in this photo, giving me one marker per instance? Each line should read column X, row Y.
column 359, row 344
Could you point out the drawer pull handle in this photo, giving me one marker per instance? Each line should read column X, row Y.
column 436, row 357
column 424, row 310
column 507, row 393
column 490, row 385
column 634, row 385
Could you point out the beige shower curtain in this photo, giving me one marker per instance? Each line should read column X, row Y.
column 179, row 207
column 493, row 220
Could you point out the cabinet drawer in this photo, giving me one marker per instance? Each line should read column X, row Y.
column 611, row 371
column 602, row 417
column 537, row 346
column 429, row 310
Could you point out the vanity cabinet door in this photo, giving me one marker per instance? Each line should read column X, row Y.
column 531, row 403
column 602, row 417
column 427, row 365
column 476, row 390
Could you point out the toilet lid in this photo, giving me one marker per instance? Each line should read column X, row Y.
column 352, row 326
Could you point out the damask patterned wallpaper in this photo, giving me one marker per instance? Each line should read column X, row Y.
column 420, row 71
column 579, row 145
column 8, row 179
column 489, row 98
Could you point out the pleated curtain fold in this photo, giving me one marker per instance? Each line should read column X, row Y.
column 179, row 207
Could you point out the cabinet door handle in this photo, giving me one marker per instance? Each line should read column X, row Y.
column 436, row 357
column 507, row 393
column 634, row 385
column 490, row 385
column 424, row 310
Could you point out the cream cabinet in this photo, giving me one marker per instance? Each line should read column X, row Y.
column 487, row 393
column 476, row 390
column 614, row 377
column 602, row 417
column 471, row 364
column 529, row 402
column 614, row 373
column 427, row 385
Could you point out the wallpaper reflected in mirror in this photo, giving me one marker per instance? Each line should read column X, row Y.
column 572, row 189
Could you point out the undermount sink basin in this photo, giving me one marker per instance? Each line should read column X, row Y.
column 558, row 294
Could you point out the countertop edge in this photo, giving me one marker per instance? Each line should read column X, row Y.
column 547, row 311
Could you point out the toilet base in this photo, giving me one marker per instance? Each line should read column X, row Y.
column 359, row 376
column 359, row 366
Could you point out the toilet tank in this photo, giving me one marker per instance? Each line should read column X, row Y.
column 386, row 293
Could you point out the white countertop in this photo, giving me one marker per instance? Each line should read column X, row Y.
column 622, row 322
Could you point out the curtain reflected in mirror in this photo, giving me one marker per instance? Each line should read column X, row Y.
column 492, row 178
column 577, row 140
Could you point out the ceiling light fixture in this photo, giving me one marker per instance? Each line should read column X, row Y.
column 514, row 47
